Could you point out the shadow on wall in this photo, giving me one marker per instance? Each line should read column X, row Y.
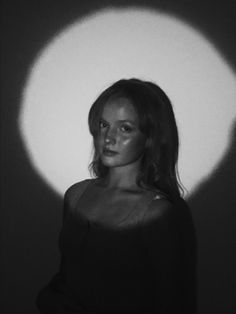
column 32, row 212
column 213, row 206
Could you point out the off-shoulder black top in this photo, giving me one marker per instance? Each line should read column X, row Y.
column 144, row 266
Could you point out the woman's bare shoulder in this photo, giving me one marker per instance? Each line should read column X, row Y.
column 162, row 209
column 159, row 209
column 75, row 190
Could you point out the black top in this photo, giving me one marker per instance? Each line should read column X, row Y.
column 144, row 266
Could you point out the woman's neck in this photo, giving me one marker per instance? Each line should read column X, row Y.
column 123, row 177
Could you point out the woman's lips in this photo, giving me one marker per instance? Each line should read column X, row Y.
column 108, row 152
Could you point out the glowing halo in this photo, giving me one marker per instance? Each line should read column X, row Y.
column 92, row 53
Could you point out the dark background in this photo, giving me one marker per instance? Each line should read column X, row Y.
column 31, row 211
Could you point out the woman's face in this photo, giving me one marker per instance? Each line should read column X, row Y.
column 120, row 142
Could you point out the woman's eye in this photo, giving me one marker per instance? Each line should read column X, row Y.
column 102, row 124
column 126, row 128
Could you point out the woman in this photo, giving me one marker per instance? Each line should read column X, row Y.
column 127, row 241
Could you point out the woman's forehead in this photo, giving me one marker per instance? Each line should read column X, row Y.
column 120, row 108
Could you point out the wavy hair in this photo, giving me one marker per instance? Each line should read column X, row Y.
column 158, row 169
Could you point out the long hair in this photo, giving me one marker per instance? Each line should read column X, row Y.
column 158, row 169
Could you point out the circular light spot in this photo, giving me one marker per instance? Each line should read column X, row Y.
column 89, row 55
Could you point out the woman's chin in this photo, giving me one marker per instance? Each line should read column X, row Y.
column 108, row 162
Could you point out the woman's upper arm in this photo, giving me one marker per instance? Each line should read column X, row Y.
column 55, row 297
column 162, row 245
column 160, row 232
column 69, row 217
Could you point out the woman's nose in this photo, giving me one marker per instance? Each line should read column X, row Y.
column 110, row 137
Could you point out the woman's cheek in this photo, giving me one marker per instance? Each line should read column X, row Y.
column 131, row 144
column 127, row 142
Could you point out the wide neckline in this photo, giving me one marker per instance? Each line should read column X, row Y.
column 103, row 225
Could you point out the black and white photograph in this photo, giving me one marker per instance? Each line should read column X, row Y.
column 118, row 157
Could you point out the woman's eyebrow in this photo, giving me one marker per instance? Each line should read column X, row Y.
column 132, row 121
column 121, row 120
column 127, row 120
column 102, row 119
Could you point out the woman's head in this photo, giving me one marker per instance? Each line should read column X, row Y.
column 120, row 141
column 151, row 132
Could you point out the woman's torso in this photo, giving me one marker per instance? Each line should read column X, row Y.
column 104, row 261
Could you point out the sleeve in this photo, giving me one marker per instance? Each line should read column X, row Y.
column 189, row 259
column 56, row 298
column 162, row 246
